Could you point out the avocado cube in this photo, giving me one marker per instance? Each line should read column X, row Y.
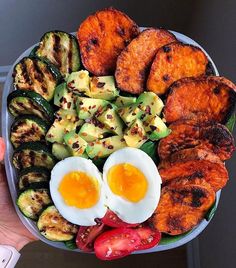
column 103, row 87
column 87, row 107
column 122, row 101
column 63, row 98
column 105, row 147
column 111, row 120
column 60, row 151
column 150, row 104
column 92, row 131
column 66, row 120
column 129, row 114
column 135, row 135
column 76, row 144
column 79, row 82
column 156, row 128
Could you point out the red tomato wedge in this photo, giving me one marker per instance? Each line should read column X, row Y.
column 149, row 236
column 2, row 149
column 86, row 236
column 112, row 220
column 116, row 243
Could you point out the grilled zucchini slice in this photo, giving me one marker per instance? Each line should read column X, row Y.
column 27, row 128
column 61, row 49
column 36, row 75
column 32, row 176
column 31, row 154
column 25, row 102
column 54, row 227
column 32, row 201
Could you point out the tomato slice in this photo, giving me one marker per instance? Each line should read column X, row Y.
column 112, row 220
column 86, row 236
column 149, row 236
column 116, row 243
column 2, row 149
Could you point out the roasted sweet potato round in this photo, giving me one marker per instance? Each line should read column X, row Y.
column 135, row 60
column 175, row 61
column 197, row 163
column 189, row 134
column 102, row 36
column 182, row 205
column 202, row 99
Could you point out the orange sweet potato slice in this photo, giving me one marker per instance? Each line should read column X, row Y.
column 202, row 99
column 135, row 60
column 175, row 61
column 183, row 204
column 102, row 36
column 195, row 162
column 189, row 134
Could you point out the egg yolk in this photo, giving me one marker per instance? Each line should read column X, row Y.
column 79, row 190
column 128, row 182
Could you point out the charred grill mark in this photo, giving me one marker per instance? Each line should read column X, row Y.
column 197, row 195
column 38, row 74
column 217, row 90
column 25, row 73
column 166, row 77
column 32, row 157
column 166, row 49
column 57, row 49
column 174, row 223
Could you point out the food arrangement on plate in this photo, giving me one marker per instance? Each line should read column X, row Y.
column 120, row 135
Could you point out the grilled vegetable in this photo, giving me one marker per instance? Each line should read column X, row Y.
column 197, row 163
column 27, row 128
column 183, row 205
column 188, row 134
column 202, row 99
column 22, row 102
column 31, row 202
column 175, row 61
column 61, row 49
column 33, row 154
column 63, row 98
column 135, row 60
column 36, row 75
column 54, row 227
column 99, row 51
column 32, row 175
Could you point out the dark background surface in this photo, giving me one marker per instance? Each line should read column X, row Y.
column 212, row 24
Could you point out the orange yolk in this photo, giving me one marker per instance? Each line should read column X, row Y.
column 128, row 182
column 79, row 190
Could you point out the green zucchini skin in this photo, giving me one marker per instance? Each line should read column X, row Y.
column 32, row 201
column 25, row 102
column 65, row 60
column 34, row 74
column 28, row 128
column 31, row 154
column 32, row 176
column 54, row 227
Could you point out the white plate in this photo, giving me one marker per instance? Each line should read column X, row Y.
column 7, row 120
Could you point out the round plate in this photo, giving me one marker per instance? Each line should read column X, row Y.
column 7, row 120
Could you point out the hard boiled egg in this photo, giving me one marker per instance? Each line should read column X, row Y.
column 132, row 184
column 77, row 191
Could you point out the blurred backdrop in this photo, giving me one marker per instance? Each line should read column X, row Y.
column 212, row 24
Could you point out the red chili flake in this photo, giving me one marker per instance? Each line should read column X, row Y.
column 110, row 147
column 100, row 84
column 109, row 116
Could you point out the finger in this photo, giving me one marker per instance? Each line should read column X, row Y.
column 2, row 148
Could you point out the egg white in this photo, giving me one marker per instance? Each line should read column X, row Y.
column 84, row 217
column 133, row 212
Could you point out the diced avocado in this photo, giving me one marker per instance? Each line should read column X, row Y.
column 87, row 107
column 122, row 101
column 129, row 114
column 76, row 144
column 150, row 104
column 63, row 98
column 135, row 135
column 156, row 128
column 60, row 151
column 103, row 87
column 103, row 148
column 78, row 82
column 91, row 132
column 66, row 120
column 111, row 120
